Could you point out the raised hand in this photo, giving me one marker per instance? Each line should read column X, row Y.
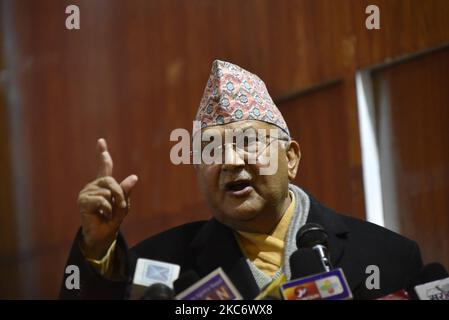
column 103, row 204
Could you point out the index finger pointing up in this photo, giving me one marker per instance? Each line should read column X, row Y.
column 105, row 163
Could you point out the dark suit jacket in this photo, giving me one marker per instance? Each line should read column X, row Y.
column 206, row 245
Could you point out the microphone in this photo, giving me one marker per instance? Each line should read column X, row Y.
column 429, row 284
column 158, row 291
column 397, row 295
column 313, row 236
column 431, row 272
column 305, row 262
column 311, row 271
column 432, row 283
column 150, row 272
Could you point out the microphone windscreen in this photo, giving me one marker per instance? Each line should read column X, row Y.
column 305, row 262
column 431, row 272
column 311, row 234
column 158, row 291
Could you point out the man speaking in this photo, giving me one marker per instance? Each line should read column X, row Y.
column 247, row 161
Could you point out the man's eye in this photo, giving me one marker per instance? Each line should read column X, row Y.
column 249, row 141
column 251, row 145
column 206, row 143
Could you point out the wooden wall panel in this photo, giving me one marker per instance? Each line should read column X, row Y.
column 8, row 240
column 318, row 121
column 407, row 26
column 417, row 104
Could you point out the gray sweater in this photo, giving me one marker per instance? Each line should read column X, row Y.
column 299, row 218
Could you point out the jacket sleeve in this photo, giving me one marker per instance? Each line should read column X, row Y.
column 92, row 285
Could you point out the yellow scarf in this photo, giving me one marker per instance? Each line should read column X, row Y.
column 266, row 250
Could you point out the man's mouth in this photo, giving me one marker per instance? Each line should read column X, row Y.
column 239, row 188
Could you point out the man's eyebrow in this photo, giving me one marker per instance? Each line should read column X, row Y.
column 236, row 130
column 249, row 126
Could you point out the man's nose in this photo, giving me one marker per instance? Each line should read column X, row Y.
column 232, row 158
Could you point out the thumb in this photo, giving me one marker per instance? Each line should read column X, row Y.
column 128, row 183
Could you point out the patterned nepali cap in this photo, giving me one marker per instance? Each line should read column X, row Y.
column 234, row 94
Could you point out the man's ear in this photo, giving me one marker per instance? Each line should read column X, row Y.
column 293, row 157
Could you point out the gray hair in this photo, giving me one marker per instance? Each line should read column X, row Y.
column 284, row 138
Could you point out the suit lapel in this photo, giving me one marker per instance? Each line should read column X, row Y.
column 215, row 246
column 335, row 227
